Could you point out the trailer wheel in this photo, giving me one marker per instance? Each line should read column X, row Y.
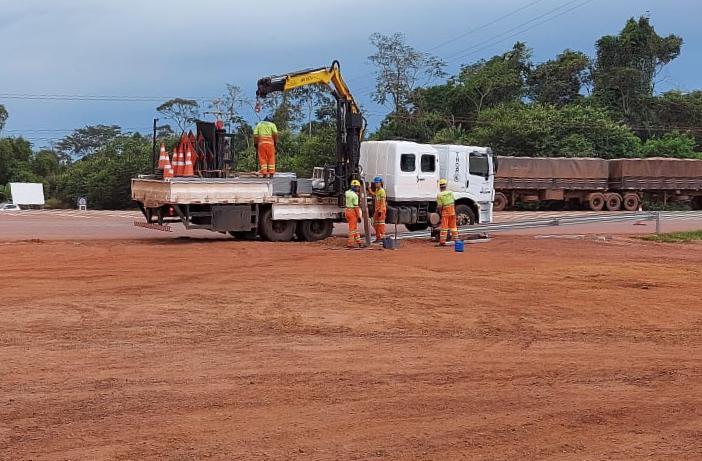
column 596, row 201
column 500, row 203
column 276, row 231
column 311, row 230
column 631, row 202
column 464, row 215
column 614, row 202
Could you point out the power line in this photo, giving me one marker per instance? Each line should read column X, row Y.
column 105, row 98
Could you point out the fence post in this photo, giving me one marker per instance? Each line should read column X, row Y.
column 658, row 223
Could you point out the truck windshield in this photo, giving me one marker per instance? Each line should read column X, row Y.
column 479, row 165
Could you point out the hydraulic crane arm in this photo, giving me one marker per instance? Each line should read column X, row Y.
column 349, row 121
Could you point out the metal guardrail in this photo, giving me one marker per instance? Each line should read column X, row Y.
column 656, row 216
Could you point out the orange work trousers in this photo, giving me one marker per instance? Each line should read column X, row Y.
column 354, row 235
column 448, row 223
column 266, row 157
column 379, row 223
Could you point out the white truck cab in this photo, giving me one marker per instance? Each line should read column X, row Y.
column 411, row 174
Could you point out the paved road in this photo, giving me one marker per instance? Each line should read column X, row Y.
column 74, row 224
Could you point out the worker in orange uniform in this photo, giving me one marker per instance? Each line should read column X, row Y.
column 353, row 213
column 445, row 203
column 265, row 140
column 380, row 207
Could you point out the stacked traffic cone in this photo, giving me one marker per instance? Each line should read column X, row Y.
column 640, row 222
column 168, row 172
column 178, row 162
column 163, row 158
column 188, row 166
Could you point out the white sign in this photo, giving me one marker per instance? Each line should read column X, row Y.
column 27, row 193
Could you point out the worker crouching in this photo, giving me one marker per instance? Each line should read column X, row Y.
column 353, row 213
column 265, row 140
column 446, row 204
column 380, row 207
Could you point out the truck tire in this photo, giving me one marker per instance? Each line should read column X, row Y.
column 631, row 202
column 416, row 227
column 696, row 203
column 596, row 201
column 614, row 202
column 312, row 230
column 500, row 203
column 243, row 235
column 276, row 231
column 464, row 215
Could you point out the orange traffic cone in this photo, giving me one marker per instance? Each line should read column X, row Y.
column 162, row 157
column 177, row 162
column 188, row 166
column 168, row 172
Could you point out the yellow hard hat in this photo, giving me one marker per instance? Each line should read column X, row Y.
column 355, row 182
column 442, row 182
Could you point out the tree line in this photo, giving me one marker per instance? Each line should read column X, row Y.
column 571, row 105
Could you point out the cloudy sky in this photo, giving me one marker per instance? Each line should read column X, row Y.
column 158, row 49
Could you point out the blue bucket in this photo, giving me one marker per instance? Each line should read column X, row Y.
column 390, row 243
column 458, row 246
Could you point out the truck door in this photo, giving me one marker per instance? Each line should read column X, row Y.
column 479, row 179
column 427, row 175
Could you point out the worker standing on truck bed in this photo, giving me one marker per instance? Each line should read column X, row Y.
column 353, row 212
column 445, row 203
column 265, row 140
column 380, row 207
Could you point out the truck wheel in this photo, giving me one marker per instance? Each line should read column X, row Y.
column 696, row 203
column 500, row 203
column 464, row 215
column 312, row 230
column 614, row 202
column 243, row 235
column 276, row 231
column 417, row 226
column 631, row 202
column 596, row 201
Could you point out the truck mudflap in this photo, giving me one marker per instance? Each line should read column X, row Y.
column 484, row 212
column 297, row 212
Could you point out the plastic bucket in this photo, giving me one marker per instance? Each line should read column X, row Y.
column 390, row 243
column 458, row 246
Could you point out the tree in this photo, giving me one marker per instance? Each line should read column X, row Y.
column 399, row 69
column 3, row 116
column 559, row 81
column 673, row 144
column 498, row 80
column 627, row 64
column 183, row 112
column 676, row 111
column 548, row 131
column 307, row 98
column 85, row 141
column 228, row 107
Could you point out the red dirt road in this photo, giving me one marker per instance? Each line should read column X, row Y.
column 185, row 349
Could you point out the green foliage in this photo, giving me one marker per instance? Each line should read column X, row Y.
column 673, row 144
column 547, row 131
column 85, row 141
column 626, row 66
column 559, row 81
column 105, row 176
column 3, row 116
column 676, row 237
column 399, row 69
column 496, row 81
column 420, row 128
column 183, row 112
column 675, row 110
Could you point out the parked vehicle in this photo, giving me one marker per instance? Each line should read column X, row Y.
column 596, row 184
column 6, row 206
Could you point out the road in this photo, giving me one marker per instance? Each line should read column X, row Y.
column 80, row 225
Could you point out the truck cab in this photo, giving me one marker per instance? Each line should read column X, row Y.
column 411, row 172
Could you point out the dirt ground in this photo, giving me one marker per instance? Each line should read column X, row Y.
column 186, row 349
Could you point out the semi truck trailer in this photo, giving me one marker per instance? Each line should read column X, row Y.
column 596, row 184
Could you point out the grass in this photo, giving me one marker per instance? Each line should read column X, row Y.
column 676, row 237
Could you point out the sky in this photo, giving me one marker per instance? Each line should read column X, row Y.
column 159, row 49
